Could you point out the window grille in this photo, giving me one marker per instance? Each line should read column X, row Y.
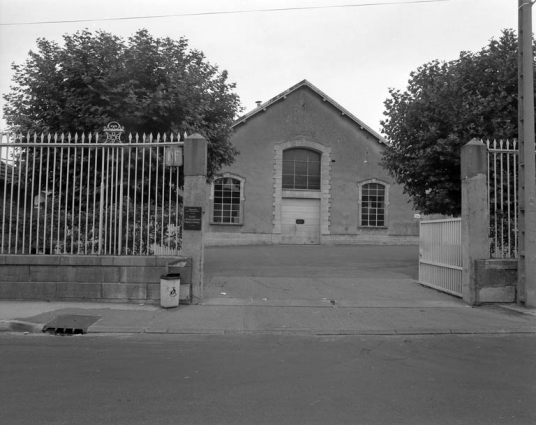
column 227, row 201
column 373, row 205
column 301, row 169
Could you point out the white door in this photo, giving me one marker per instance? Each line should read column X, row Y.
column 300, row 221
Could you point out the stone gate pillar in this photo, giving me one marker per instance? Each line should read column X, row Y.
column 194, row 207
column 475, row 215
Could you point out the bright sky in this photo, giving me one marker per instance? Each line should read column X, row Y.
column 353, row 54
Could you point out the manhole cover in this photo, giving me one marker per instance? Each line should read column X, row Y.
column 70, row 324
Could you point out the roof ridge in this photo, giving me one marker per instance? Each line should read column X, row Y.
column 305, row 82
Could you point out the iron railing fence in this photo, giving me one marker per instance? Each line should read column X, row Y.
column 90, row 195
column 502, row 195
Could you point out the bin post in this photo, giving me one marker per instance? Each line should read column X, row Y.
column 169, row 290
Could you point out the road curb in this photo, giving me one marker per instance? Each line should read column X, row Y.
column 305, row 332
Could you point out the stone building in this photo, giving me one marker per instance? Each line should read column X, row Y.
column 308, row 173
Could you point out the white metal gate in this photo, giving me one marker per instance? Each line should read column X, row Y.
column 440, row 259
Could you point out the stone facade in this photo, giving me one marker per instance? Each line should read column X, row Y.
column 350, row 154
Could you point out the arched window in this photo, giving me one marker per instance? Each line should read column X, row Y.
column 227, row 201
column 373, row 200
column 301, row 169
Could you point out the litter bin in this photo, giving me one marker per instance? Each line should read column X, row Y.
column 169, row 290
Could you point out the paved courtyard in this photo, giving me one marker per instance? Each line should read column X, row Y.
column 363, row 275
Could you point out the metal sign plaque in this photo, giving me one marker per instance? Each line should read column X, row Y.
column 173, row 157
column 192, row 218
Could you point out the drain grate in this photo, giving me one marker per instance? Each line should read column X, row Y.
column 70, row 324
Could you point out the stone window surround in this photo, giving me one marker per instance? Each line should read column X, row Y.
column 386, row 212
column 242, row 199
column 325, row 187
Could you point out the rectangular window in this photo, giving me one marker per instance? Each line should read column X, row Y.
column 301, row 169
column 227, row 203
column 373, row 205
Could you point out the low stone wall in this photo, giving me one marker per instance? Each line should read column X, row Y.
column 496, row 280
column 90, row 278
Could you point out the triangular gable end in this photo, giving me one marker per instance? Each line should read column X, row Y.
column 325, row 97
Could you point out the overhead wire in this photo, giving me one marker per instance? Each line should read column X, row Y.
column 230, row 12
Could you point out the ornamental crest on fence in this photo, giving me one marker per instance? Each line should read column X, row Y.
column 113, row 132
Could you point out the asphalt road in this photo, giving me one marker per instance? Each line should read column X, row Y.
column 267, row 379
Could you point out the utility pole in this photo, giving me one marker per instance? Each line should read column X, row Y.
column 527, row 170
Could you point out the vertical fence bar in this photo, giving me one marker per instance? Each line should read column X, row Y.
column 178, row 228
column 32, row 199
column 142, row 196
column 502, row 197
column 495, row 195
column 52, row 206
column 5, row 167
column 134, row 206
column 94, row 234
column 120, row 237
column 19, row 153
column 39, row 199
column 3, row 170
column 156, row 191
column 80, row 194
column 149, row 192
column 163, row 197
column 107, row 208
column 46, row 218
column 169, row 211
column 10, row 215
column 63, row 247
column 113, row 202
column 75, row 149
column 26, row 170
column 86, row 233
column 101, row 206
column 516, row 170
column 508, row 181
column 66, row 217
column 127, row 233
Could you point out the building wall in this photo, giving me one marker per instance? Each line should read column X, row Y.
column 350, row 155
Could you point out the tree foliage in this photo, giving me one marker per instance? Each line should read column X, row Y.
column 149, row 85
column 444, row 106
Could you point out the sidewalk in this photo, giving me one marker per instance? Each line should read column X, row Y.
column 220, row 316
column 319, row 290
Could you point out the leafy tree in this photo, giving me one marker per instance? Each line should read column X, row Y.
column 444, row 106
column 149, row 85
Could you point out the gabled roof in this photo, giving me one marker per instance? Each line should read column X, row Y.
column 325, row 97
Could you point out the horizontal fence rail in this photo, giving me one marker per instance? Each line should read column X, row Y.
column 440, row 261
column 502, row 195
column 90, row 195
